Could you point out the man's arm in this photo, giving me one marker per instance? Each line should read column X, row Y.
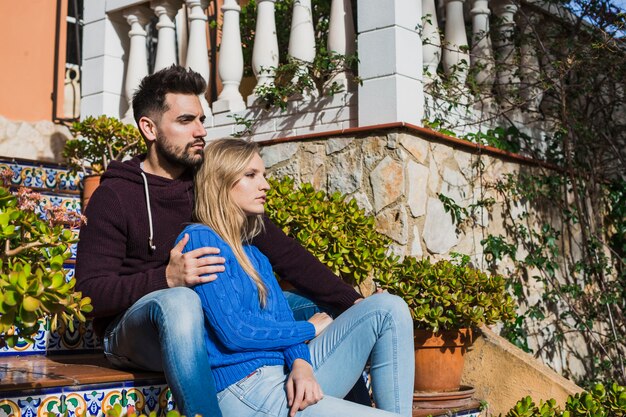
column 292, row 262
column 102, row 257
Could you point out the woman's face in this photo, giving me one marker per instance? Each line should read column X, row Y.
column 249, row 192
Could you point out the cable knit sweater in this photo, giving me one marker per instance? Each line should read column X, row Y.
column 115, row 265
column 242, row 336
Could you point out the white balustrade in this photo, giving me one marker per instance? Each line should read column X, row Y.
column 456, row 58
column 230, row 67
column 182, row 34
column 302, row 37
column 137, row 66
column 482, row 50
column 531, row 91
column 431, row 41
column 197, row 49
column 341, row 38
column 265, row 49
column 505, row 51
column 165, row 10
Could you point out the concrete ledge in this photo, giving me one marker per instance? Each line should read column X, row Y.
column 502, row 374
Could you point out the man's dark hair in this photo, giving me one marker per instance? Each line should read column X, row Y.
column 149, row 98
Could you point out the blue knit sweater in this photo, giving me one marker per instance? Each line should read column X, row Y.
column 242, row 336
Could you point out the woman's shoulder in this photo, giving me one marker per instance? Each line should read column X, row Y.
column 198, row 231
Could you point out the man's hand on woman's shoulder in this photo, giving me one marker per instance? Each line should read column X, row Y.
column 194, row 267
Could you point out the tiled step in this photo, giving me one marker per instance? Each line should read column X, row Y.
column 77, row 385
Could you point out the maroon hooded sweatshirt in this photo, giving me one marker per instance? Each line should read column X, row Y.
column 116, row 265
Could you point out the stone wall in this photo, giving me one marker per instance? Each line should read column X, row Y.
column 41, row 141
column 397, row 175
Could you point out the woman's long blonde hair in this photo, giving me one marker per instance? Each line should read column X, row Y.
column 225, row 161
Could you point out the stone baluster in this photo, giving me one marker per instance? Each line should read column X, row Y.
column 455, row 53
column 302, row 36
column 341, row 38
column 265, row 49
column 230, row 67
column 182, row 34
column 137, row 65
column 197, row 49
column 505, row 52
column 531, row 91
column 165, row 10
column 482, row 50
column 431, row 39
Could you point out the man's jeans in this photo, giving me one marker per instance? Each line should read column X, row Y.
column 164, row 331
column 378, row 329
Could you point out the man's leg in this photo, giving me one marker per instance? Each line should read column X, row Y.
column 164, row 331
column 303, row 308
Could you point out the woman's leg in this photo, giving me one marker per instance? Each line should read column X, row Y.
column 380, row 329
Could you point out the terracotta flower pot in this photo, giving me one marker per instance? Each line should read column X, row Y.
column 90, row 183
column 439, row 359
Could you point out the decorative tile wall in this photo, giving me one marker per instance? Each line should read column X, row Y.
column 88, row 400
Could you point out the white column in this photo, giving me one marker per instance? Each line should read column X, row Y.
column 531, row 90
column 431, row 40
column 166, row 47
column 482, row 50
column 197, row 49
column 265, row 49
column 182, row 34
column 341, row 38
column 390, row 62
column 230, row 67
column 137, row 66
column 506, row 54
column 455, row 55
column 302, row 37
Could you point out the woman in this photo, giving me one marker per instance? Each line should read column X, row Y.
column 261, row 361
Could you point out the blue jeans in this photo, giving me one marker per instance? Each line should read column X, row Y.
column 164, row 331
column 378, row 328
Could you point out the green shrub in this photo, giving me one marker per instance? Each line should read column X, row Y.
column 448, row 294
column 336, row 231
column 599, row 402
column 32, row 278
column 98, row 141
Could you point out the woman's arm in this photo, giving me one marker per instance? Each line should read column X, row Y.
column 231, row 305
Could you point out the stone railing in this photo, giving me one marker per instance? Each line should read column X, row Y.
column 399, row 48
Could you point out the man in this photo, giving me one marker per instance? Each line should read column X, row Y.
column 144, row 310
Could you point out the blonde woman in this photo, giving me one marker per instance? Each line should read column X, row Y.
column 264, row 362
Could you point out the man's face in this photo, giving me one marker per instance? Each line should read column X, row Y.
column 180, row 132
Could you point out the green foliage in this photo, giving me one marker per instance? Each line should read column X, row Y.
column 98, row 141
column 598, row 402
column 337, row 232
column 32, row 278
column 450, row 294
column 118, row 411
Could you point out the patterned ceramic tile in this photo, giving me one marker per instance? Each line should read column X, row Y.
column 88, row 401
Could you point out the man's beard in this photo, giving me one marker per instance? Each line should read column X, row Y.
column 182, row 158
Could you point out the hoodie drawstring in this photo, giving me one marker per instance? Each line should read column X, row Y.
column 145, row 187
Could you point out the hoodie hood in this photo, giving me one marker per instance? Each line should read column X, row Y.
column 131, row 171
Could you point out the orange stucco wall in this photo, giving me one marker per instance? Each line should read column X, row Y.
column 27, row 58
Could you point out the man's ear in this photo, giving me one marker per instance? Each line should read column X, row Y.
column 148, row 128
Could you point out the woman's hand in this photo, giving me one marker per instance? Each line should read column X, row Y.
column 320, row 321
column 302, row 387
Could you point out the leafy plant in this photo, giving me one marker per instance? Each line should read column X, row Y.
column 336, row 231
column 450, row 294
column 598, row 402
column 32, row 278
column 98, row 141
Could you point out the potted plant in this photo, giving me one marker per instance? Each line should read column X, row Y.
column 97, row 142
column 449, row 300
